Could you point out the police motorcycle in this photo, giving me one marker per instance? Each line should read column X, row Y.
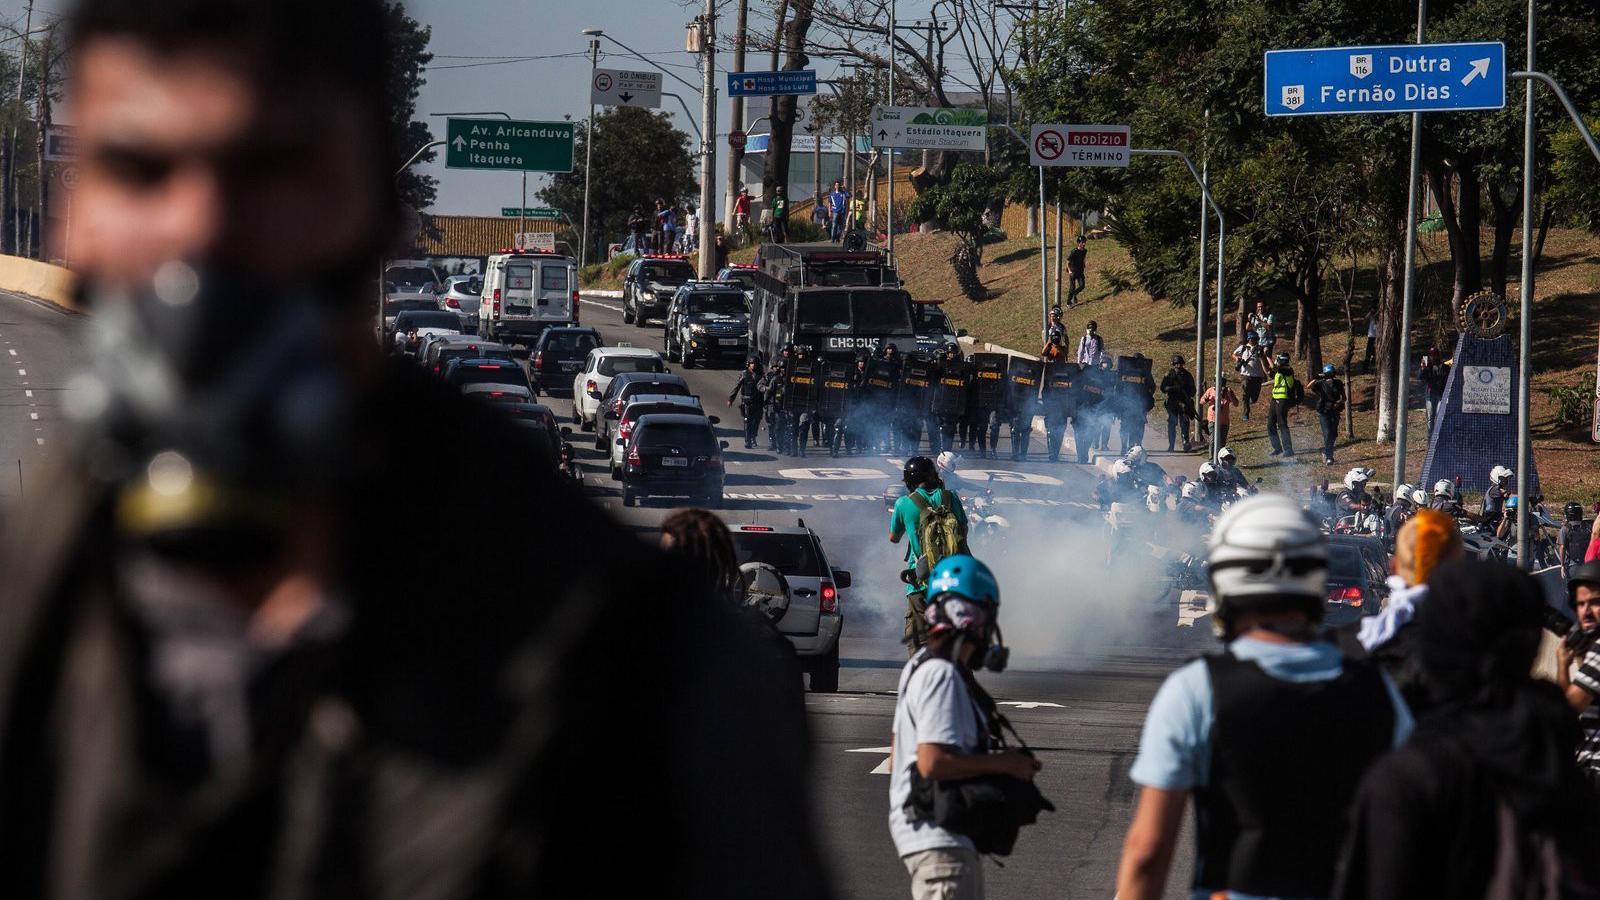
column 983, row 523
column 1369, row 521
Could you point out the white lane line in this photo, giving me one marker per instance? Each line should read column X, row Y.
column 29, row 393
column 883, row 767
column 33, row 416
column 12, row 352
column 22, row 371
column 601, row 305
column 40, row 441
column 1030, row 704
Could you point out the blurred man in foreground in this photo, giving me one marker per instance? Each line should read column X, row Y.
column 235, row 660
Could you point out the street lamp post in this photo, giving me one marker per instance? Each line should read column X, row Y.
column 588, row 158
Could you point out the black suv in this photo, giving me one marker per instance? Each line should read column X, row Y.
column 649, row 285
column 484, row 370
column 557, row 356
column 674, row 455
column 707, row 320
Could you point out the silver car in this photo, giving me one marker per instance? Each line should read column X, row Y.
column 460, row 295
column 816, row 605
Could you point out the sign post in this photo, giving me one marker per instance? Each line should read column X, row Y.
column 1393, row 78
column 617, row 87
column 768, row 84
column 929, row 128
column 1080, row 146
column 490, row 144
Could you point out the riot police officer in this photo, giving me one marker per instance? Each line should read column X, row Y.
column 949, row 400
column 1060, row 400
column 1136, row 392
column 1088, row 416
column 1022, row 378
column 751, row 390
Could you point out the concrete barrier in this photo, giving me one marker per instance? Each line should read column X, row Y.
column 52, row 284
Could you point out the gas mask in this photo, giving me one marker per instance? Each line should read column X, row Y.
column 210, row 402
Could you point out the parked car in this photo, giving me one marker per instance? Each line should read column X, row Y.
column 707, row 321
column 538, row 420
column 461, row 295
column 673, row 455
column 1358, row 569
column 815, row 618
column 643, row 405
column 485, row 370
column 624, row 388
column 557, row 356
column 602, row 365
column 524, row 293
column 411, row 326
column 649, row 284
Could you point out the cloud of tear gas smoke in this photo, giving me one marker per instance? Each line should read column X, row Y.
column 1068, row 597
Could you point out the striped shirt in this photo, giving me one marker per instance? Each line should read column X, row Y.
column 1586, row 675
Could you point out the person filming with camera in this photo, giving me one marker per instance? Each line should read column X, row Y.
column 947, row 738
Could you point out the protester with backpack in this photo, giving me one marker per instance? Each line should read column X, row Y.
column 1484, row 800
column 955, row 791
column 934, row 525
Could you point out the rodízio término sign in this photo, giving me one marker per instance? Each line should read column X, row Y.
column 1080, row 146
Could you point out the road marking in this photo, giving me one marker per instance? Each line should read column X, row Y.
column 28, row 393
column 1030, row 704
column 599, row 304
column 834, row 474
column 1006, row 476
column 882, row 768
column 878, row 498
column 33, row 416
column 12, row 352
column 22, row 371
column 40, row 440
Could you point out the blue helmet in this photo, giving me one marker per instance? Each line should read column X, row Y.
column 1328, row 369
column 964, row 576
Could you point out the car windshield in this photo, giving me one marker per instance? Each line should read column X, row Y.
column 429, row 319
column 693, row 438
column 569, row 341
column 718, row 304
column 746, row 280
column 932, row 320
column 619, row 365
column 791, row 554
column 1344, row 563
column 824, row 310
column 650, row 387
column 408, row 276
column 666, row 271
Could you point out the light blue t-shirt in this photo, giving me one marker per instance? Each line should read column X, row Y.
column 934, row 707
column 1175, row 748
column 903, row 521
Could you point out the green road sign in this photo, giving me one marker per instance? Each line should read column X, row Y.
column 531, row 212
column 518, row 146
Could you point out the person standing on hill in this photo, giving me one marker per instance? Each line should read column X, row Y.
column 780, row 215
column 838, row 210
column 1178, row 387
column 1287, row 393
column 1252, row 368
column 1076, row 270
column 1328, row 391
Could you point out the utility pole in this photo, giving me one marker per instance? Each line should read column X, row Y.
column 11, row 203
column 42, row 119
column 588, row 159
column 890, row 219
column 1403, row 389
column 1525, row 314
column 735, row 118
column 708, row 139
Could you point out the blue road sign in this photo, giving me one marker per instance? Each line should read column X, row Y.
column 1397, row 78
column 767, row 84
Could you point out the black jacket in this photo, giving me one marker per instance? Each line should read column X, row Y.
column 469, row 733
column 1178, row 386
column 751, row 390
column 1328, row 393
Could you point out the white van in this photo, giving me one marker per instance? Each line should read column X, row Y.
column 525, row 293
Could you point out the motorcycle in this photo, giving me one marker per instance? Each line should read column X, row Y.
column 984, row 524
column 567, row 462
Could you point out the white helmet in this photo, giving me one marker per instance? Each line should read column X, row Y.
column 1500, row 474
column 1403, row 492
column 1191, row 490
column 1226, row 453
column 1419, row 497
column 1354, row 477
column 947, row 461
column 1443, row 488
column 1135, row 455
column 1267, row 551
column 1208, row 472
column 1121, row 468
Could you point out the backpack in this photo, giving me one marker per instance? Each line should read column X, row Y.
column 939, row 533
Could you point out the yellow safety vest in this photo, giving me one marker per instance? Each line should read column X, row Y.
column 1281, row 384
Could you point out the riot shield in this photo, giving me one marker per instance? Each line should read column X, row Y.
column 1064, row 384
column 883, row 376
column 949, row 392
column 800, row 386
column 916, row 379
column 1134, row 383
column 989, row 390
column 835, row 388
column 1022, row 382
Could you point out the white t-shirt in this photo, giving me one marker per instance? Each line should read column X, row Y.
column 934, row 708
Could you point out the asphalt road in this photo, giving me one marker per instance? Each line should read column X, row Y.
column 40, row 346
column 1091, row 645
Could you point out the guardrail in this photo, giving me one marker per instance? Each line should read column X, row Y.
column 53, row 284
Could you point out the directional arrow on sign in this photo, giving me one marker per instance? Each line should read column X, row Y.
column 625, row 97
column 1480, row 69
column 882, row 135
column 460, row 143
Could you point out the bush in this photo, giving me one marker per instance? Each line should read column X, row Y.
column 619, row 262
column 591, row 273
column 803, row 231
column 1574, row 405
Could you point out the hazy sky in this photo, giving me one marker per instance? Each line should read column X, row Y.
column 537, row 89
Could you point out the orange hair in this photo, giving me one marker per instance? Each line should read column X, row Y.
column 1427, row 539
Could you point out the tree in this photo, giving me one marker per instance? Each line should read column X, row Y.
column 793, row 36
column 638, row 156
column 408, row 44
column 958, row 208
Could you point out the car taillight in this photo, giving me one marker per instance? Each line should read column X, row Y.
column 633, row 455
column 625, row 429
column 592, row 386
column 496, row 302
column 574, row 307
column 538, row 361
column 1349, row 596
column 713, row 462
column 452, row 302
column 830, row 598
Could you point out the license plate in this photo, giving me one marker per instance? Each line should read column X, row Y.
column 569, row 367
column 679, row 463
column 730, row 342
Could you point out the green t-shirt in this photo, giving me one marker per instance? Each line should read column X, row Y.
column 903, row 521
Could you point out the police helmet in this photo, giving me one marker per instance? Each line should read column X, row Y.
column 1403, row 492
column 1282, row 359
column 1419, row 497
column 1191, row 490
column 1328, row 369
column 1573, row 511
column 1356, row 479
column 1208, row 473
column 1500, row 475
column 1443, row 488
column 919, row 470
column 1226, row 454
column 1121, row 468
column 947, row 461
column 1135, row 455
column 1266, row 553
